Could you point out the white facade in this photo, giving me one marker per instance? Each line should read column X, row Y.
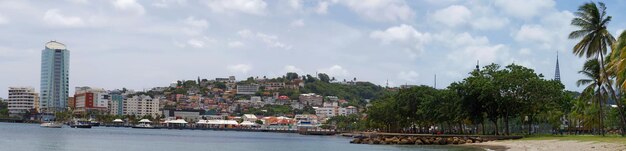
column 249, row 117
column 21, row 99
column 141, row 105
column 332, row 111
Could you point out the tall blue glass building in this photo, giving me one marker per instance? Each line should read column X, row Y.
column 55, row 66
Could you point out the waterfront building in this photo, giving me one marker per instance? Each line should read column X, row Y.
column 141, row 105
column 116, row 105
column 249, row 117
column 190, row 115
column 311, row 99
column 71, row 102
column 247, row 89
column 55, row 65
column 21, row 100
column 91, row 99
column 332, row 109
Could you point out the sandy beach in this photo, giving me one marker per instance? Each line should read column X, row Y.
column 549, row 145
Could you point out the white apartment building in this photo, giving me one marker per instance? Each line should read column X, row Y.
column 332, row 111
column 141, row 105
column 22, row 99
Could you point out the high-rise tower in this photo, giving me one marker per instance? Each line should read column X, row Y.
column 55, row 59
column 557, row 73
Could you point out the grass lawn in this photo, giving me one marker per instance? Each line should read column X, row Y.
column 608, row 138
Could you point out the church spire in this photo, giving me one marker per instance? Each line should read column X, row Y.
column 557, row 73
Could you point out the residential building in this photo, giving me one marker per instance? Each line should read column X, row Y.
column 141, row 105
column 71, row 103
column 54, row 82
column 21, row 100
column 247, row 89
column 116, row 105
column 249, row 117
column 331, row 109
column 91, row 99
column 270, row 86
column 311, row 99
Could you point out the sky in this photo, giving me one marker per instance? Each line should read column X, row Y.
column 139, row 44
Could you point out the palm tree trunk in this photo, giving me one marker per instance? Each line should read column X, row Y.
column 614, row 96
column 601, row 114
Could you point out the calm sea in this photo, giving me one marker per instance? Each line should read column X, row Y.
column 30, row 137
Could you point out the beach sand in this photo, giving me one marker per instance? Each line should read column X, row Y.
column 549, row 145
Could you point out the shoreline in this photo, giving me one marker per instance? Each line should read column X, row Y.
column 548, row 145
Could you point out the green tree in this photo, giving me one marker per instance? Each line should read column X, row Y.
column 324, row 77
column 594, row 89
column 291, row 76
column 595, row 42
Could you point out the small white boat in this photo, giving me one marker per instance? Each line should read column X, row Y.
column 51, row 125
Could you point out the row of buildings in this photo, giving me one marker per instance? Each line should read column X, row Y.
column 225, row 96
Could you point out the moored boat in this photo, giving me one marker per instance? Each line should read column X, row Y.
column 80, row 124
column 51, row 125
column 144, row 123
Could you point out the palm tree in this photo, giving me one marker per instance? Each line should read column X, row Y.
column 594, row 89
column 595, row 43
column 618, row 60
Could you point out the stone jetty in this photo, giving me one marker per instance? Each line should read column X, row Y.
column 417, row 139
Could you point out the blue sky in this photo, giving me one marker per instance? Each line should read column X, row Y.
column 141, row 44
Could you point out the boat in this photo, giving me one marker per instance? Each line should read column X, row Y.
column 144, row 123
column 80, row 124
column 51, row 125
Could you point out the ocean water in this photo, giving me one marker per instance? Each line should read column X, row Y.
column 31, row 137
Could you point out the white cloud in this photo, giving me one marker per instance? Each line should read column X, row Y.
column 267, row 39
column 525, row 51
column 131, row 6
column 255, row 7
column 406, row 35
column 400, row 33
column 466, row 48
column 240, row 68
column 410, row 76
column 380, row 10
column 334, row 70
column 489, row 23
column 195, row 26
column 292, row 68
column 549, row 34
column 322, row 7
column 196, row 43
column 295, row 4
column 3, row 20
column 201, row 42
column 297, row 23
column 54, row 17
column 235, row 44
column 78, row 1
column 452, row 16
column 524, row 9
column 533, row 33
column 168, row 3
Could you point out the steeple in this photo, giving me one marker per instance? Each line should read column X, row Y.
column 557, row 73
column 477, row 65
